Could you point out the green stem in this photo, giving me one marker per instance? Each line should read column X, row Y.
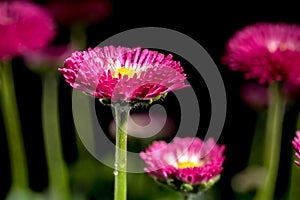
column 272, row 142
column 57, row 170
column 255, row 157
column 121, row 116
column 87, row 126
column 186, row 196
column 78, row 36
column 13, row 128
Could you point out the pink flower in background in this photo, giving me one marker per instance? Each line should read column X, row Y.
column 69, row 12
column 123, row 74
column 266, row 51
column 146, row 125
column 296, row 145
column 255, row 95
column 24, row 26
column 48, row 57
column 292, row 91
column 185, row 161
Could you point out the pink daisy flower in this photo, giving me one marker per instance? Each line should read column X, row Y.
column 69, row 12
column 123, row 74
column 266, row 51
column 296, row 145
column 187, row 164
column 23, row 26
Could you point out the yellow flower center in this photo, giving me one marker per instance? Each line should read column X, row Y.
column 124, row 71
column 187, row 165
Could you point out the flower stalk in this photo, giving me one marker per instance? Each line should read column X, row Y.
column 78, row 36
column 121, row 116
column 272, row 142
column 255, row 157
column 57, row 170
column 186, row 196
column 13, row 128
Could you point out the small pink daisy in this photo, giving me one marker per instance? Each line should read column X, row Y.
column 123, row 74
column 24, row 26
column 69, row 12
column 186, row 164
column 296, row 145
column 266, row 51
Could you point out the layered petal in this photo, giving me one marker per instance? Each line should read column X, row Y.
column 184, row 161
column 24, row 26
column 123, row 74
column 266, row 51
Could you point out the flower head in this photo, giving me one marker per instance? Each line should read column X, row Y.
column 69, row 12
column 266, row 51
column 186, row 164
column 123, row 74
column 23, row 26
column 296, row 145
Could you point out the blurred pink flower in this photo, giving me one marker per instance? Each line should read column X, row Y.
column 255, row 95
column 24, row 26
column 185, row 161
column 266, row 51
column 296, row 145
column 292, row 91
column 146, row 125
column 123, row 74
column 70, row 12
column 48, row 57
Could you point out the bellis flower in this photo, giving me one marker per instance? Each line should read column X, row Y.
column 121, row 74
column 266, row 51
column 186, row 164
column 24, row 26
